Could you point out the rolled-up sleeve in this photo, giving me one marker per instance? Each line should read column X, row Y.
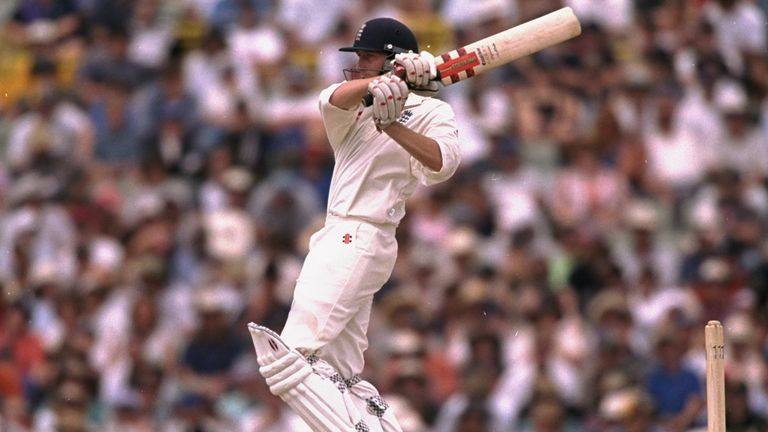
column 337, row 121
column 445, row 131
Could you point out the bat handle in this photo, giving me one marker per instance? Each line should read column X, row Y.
column 399, row 71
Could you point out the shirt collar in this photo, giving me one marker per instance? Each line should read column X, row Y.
column 414, row 100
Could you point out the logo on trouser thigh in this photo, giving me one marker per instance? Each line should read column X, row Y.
column 376, row 406
column 346, row 239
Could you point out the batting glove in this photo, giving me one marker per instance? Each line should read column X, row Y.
column 420, row 70
column 389, row 95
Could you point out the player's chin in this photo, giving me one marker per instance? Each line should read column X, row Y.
column 356, row 74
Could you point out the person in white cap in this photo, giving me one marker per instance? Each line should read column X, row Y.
column 382, row 152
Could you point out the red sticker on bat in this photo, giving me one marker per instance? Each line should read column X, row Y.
column 465, row 62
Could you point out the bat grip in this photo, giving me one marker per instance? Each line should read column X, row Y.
column 399, row 71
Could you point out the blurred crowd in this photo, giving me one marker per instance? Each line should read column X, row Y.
column 163, row 164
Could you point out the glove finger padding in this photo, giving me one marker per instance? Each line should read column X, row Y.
column 379, row 100
column 414, row 69
column 400, row 92
column 383, row 101
column 430, row 68
column 389, row 96
column 420, row 68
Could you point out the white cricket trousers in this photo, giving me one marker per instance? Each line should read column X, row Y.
column 349, row 260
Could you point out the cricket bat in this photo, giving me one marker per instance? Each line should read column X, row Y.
column 509, row 45
column 504, row 47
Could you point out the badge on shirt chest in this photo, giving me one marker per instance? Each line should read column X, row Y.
column 405, row 116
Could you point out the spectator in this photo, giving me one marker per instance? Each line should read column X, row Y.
column 740, row 416
column 108, row 14
column 254, row 42
column 745, row 363
column 43, row 21
column 127, row 414
column 584, row 190
column 281, row 205
column 629, row 104
column 619, row 356
column 40, row 139
column 150, row 44
column 35, row 233
column 229, row 231
column 224, row 13
column 544, row 114
column 22, row 350
column 414, row 374
column 478, row 406
column 205, row 64
column 629, row 409
column 739, row 29
column 195, row 411
column 226, row 108
column 15, row 414
column 267, row 299
column 109, row 63
column 68, row 410
column 516, row 191
column 207, row 360
column 431, row 28
column 718, row 288
column 675, row 389
column 616, row 16
column 652, row 301
column 165, row 110
column 464, row 15
column 670, row 147
column 487, row 115
column 643, row 247
column 474, row 418
column 547, row 415
column 272, row 415
column 741, row 147
column 292, row 15
column 118, row 139
column 700, row 108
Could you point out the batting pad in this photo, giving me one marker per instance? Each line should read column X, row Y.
column 315, row 399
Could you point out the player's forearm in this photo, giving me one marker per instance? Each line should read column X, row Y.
column 349, row 94
column 423, row 148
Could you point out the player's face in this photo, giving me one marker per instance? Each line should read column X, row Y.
column 369, row 64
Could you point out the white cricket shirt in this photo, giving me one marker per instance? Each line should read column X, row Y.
column 374, row 176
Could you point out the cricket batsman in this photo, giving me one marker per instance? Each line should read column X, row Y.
column 382, row 153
